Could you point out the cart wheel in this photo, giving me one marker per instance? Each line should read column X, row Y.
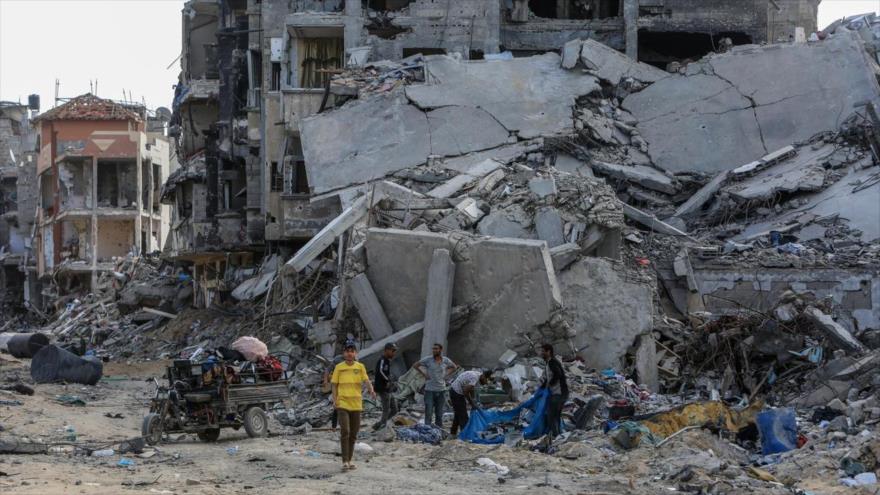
column 209, row 435
column 256, row 423
column 151, row 428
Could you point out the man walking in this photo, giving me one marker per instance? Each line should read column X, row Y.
column 554, row 380
column 436, row 368
column 348, row 380
column 461, row 393
column 385, row 385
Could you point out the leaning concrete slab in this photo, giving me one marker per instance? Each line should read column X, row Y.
column 695, row 202
column 652, row 222
column 328, row 234
column 735, row 107
column 834, row 331
column 363, row 141
column 368, row 306
column 532, row 96
column 648, row 177
column 438, row 306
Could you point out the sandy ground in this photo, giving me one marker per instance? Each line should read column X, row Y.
column 306, row 464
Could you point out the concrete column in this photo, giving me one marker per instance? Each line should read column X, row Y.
column 438, row 306
column 631, row 27
column 94, row 221
column 139, row 203
column 646, row 362
column 368, row 306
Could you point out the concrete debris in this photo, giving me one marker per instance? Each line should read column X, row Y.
column 729, row 109
column 479, row 200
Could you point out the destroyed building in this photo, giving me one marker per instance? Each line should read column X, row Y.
column 17, row 197
column 252, row 71
column 99, row 173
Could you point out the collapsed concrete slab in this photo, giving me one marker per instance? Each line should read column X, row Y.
column 607, row 310
column 531, row 96
column 647, row 177
column 854, row 198
column 802, row 172
column 735, row 107
column 834, row 331
column 512, row 281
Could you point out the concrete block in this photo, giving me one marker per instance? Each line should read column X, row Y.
column 438, row 306
column 564, row 255
column 512, row 222
column 368, row 306
column 571, row 51
column 548, row 225
column 511, row 280
column 613, row 66
column 543, row 186
column 607, row 310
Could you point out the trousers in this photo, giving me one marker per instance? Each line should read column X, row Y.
column 434, row 406
column 554, row 413
column 459, row 408
column 349, row 425
column 389, row 407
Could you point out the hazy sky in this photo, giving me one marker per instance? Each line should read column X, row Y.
column 128, row 44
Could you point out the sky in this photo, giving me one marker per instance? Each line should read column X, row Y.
column 123, row 44
column 128, row 45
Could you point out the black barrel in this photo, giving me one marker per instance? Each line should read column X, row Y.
column 54, row 364
column 25, row 345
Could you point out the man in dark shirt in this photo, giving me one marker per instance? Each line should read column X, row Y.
column 384, row 385
column 554, row 380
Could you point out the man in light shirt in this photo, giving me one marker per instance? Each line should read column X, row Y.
column 436, row 368
column 462, row 392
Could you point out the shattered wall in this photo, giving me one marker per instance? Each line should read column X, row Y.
column 854, row 292
column 607, row 309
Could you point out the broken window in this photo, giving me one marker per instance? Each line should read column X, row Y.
column 277, row 178
column 387, row 4
column 575, row 9
column 275, row 83
column 301, row 181
column 662, row 48
column 117, row 184
column 408, row 52
column 318, row 56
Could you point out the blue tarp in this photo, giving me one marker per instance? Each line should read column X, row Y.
column 778, row 429
column 482, row 420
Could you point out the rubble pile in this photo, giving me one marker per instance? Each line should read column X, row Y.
column 361, row 80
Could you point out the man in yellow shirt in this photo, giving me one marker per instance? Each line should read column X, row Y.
column 348, row 381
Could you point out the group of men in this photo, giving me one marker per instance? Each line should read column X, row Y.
column 349, row 378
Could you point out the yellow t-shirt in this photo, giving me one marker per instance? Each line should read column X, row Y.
column 349, row 379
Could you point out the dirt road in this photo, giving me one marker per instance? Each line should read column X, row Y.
column 307, row 463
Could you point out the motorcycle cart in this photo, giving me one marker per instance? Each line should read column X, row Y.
column 202, row 398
